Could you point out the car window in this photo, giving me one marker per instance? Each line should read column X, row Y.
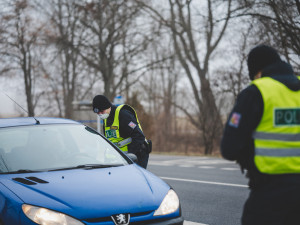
column 46, row 147
column 8, row 139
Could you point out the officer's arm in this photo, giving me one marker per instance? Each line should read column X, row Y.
column 237, row 139
column 137, row 143
column 129, row 128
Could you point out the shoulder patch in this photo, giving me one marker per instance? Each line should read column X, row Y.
column 235, row 120
column 132, row 125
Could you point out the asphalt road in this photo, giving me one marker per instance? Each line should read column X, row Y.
column 212, row 191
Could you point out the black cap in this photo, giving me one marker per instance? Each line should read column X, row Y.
column 100, row 103
column 260, row 57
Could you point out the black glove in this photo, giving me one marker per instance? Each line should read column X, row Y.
column 147, row 146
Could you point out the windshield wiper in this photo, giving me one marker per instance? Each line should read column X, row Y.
column 3, row 162
column 88, row 166
column 21, row 171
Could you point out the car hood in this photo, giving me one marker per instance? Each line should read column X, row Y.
column 92, row 193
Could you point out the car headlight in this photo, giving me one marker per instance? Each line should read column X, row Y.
column 169, row 205
column 41, row 215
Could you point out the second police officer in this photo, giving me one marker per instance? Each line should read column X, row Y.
column 122, row 127
column 262, row 134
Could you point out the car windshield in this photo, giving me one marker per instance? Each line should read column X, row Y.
column 55, row 147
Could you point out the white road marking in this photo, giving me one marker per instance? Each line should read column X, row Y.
column 158, row 164
column 216, row 161
column 205, row 182
column 230, row 169
column 186, row 165
column 206, row 167
column 192, row 223
column 191, row 162
column 203, row 163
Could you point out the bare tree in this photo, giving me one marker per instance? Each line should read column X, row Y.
column 195, row 39
column 278, row 25
column 114, row 41
column 19, row 43
column 234, row 77
column 65, row 32
column 160, row 90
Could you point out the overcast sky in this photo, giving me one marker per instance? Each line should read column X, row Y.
column 6, row 105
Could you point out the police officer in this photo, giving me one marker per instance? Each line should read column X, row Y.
column 262, row 134
column 122, row 127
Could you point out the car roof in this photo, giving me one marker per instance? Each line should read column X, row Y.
column 25, row 121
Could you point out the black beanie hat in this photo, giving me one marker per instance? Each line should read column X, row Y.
column 100, row 102
column 260, row 57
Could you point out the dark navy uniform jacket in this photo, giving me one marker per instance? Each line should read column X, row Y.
column 125, row 118
column 237, row 142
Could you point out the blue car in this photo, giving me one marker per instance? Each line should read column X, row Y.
column 56, row 171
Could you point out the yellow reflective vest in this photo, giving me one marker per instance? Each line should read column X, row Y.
column 113, row 132
column 277, row 137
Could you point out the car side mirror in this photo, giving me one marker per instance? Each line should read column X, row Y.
column 132, row 157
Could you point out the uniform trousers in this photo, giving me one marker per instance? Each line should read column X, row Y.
column 143, row 158
column 274, row 203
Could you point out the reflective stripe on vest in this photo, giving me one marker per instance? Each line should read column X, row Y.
column 112, row 132
column 277, row 137
column 124, row 142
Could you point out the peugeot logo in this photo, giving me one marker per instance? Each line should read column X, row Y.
column 121, row 219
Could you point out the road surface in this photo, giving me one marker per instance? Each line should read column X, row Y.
column 212, row 190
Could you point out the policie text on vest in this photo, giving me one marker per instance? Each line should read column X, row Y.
column 290, row 116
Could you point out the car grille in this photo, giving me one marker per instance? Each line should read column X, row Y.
column 108, row 218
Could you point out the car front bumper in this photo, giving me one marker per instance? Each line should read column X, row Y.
column 175, row 221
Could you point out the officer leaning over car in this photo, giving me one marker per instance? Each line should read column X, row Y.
column 262, row 134
column 122, row 127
